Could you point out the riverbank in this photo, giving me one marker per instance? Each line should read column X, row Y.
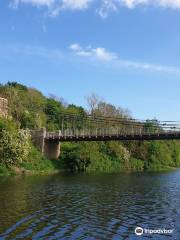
column 46, row 168
column 21, row 171
column 34, row 164
column 51, row 167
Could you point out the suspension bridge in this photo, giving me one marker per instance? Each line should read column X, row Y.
column 84, row 127
column 75, row 127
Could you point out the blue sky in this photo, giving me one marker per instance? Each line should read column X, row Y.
column 126, row 51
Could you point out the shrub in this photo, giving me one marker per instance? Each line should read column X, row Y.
column 14, row 144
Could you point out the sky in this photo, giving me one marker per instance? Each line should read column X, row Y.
column 126, row 51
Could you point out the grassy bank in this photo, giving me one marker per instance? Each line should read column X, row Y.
column 43, row 166
column 34, row 164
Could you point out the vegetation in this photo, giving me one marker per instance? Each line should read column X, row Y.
column 15, row 145
column 30, row 109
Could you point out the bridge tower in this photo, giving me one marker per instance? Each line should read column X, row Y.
column 49, row 148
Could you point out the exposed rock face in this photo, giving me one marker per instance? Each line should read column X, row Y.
column 3, row 107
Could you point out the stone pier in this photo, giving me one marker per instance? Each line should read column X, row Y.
column 49, row 148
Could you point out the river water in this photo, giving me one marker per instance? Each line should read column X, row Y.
column 90, row 206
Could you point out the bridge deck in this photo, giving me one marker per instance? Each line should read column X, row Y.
column 145, row 136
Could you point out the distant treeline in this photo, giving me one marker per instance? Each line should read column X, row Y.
column 30, row 109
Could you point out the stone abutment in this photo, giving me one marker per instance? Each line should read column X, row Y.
column 49, row 148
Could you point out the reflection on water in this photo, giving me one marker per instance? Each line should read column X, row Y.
column 106, row 206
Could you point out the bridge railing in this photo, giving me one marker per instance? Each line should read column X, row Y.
column 106, row 132
column 73, row 125
column 54, row 134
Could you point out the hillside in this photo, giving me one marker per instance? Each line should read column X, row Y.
column 30, row 109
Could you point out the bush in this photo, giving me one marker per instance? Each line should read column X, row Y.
column 136, row 164
column 37, row 162
column 14, row 144
column 4, row 171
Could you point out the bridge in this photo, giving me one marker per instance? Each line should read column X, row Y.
column 78, row 127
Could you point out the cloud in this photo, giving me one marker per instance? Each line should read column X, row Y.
column 54, row 6
column 102, row 54
column 98, row 53
column 103, row 7
column 105, row 58
column 75, row 47
column 133, row 3
column 170, row 3
column 161, row 3
column 108, row 6
column 37, row 3
column 146, row 66
column 76, row 4
column 72, row 5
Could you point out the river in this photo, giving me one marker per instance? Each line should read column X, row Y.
column 90, row 206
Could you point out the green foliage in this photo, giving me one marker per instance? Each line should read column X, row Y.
column 74, row 157
column 95, row 156
column 8, row 125
column 30, row 109
column 118, row 152
column 37, row 162
column 53, row 109
column 136, row 164
column 151, row 126
column 26, row 105
column 4, row 170
column 14, row 144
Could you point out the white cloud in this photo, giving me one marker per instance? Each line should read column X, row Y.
column 88, row 52
column 170, row 3
column 103, row 54
column 98, row 53
column 147, row 66
column 75, row 47
column 76, row 4
column 133, row 3
column 103, row 7
column 117, row 62
column 37, row 3
column 108, row 6
column 61, row 5
column 55, row 6
column 161, row 3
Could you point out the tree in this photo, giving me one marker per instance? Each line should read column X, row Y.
column 93, row 101
column 53, row 110
column 14, row 144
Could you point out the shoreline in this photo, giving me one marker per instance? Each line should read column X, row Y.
column 25, row 172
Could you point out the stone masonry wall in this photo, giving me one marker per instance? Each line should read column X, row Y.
column 3, row 107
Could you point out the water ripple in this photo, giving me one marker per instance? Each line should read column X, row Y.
column 90, row 206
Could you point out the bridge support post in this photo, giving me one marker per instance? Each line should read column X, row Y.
column 38, row 138
column 49, row 148
column 52, row 149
